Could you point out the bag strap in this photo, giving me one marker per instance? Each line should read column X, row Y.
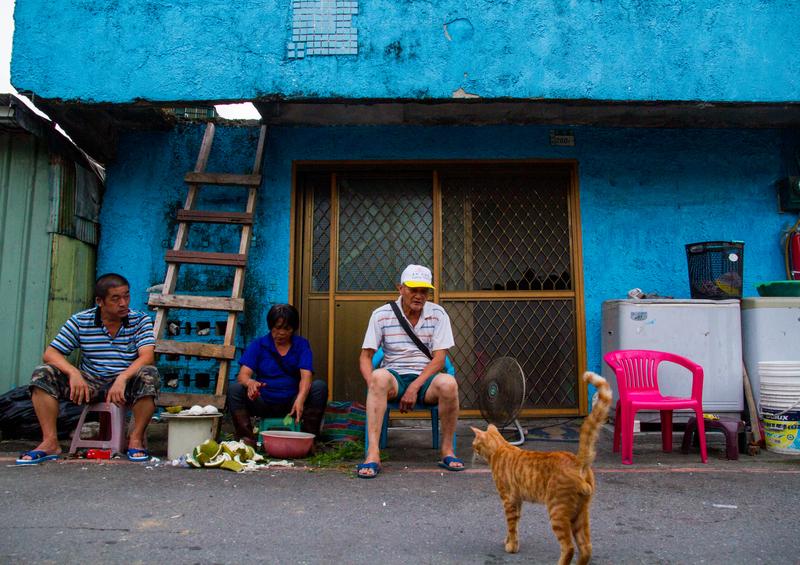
column 409, row 331
column 279, row 360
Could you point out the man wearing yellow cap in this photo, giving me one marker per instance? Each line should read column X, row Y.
column 412, row 369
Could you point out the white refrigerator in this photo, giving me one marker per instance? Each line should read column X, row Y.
column 706, row 331
column 770, row 332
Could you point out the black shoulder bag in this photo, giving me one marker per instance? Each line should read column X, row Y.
column 409, row 331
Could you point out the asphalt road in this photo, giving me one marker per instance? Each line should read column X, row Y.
column 666, row 508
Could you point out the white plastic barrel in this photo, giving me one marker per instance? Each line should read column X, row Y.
column 780, row 405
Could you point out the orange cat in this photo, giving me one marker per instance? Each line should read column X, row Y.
column 563, row 482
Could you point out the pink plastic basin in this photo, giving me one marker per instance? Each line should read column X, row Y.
column 286, row 445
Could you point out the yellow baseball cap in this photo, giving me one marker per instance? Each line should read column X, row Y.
column 417, row 276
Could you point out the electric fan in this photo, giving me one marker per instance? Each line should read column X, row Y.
column 502, row 393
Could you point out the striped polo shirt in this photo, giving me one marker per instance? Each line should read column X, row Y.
column 101, row 355
column 400, row 352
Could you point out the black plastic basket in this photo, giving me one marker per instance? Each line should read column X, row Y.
column 715, row 269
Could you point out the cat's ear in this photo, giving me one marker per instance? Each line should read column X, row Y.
column 491, row 428
column 476, row 431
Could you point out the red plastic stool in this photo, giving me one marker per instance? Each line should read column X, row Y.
column 112, row 428
column 732, row 429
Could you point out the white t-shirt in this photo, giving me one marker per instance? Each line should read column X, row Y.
column 400, row 352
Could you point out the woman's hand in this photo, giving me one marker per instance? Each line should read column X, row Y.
column 297, row 410
column 254, row 388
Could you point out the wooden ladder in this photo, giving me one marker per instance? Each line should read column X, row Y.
column 178, row 256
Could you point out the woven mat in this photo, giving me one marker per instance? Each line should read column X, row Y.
column 568, row 432
column 344, row 421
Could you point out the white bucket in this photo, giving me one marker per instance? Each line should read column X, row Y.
column 184, row 433
column 780, row 405
column 779, row 368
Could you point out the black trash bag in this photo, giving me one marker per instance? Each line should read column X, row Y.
column 18, row 420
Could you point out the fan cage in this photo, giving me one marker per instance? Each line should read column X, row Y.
column 502, row 394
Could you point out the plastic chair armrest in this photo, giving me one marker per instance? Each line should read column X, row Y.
column 697, row 384
column 697, row 373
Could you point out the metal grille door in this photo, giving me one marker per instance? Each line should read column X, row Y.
column 503, row 246
column 506, row 241
column 384, row 224
column 321, row 256
column 506, row 232
column 540, row 334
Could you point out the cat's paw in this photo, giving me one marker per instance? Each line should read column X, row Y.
column 512, row 546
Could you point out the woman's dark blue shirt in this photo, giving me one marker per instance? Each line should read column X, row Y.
column 282, row 379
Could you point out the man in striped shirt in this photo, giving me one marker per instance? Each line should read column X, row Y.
column 407, row 373
column 117, row 354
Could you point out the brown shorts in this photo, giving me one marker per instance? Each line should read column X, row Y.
column 146, row 382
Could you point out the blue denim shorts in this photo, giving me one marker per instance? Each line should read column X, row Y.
column 406, row 379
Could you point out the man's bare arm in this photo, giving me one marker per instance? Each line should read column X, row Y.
column 54, row 357
column 365, row 363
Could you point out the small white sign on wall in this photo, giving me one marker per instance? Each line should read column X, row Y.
column 562, row 137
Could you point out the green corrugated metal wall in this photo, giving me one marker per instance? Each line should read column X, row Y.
column 71, row 281
column 25, row 252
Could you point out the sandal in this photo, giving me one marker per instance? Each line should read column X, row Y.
column 447, row 462
column 376, row 468
column 137, row 454
column 36, row 457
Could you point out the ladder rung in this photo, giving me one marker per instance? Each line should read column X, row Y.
column 196, row 302
column 195, row 349
column 223, row 179
column 214, row 217
column 205, row 258
column 186, row 399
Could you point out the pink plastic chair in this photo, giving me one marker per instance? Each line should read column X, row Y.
column 637, row 382
column 111, row 415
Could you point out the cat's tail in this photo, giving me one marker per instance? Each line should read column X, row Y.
column 591, row 425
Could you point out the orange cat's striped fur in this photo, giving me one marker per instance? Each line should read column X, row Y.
column 563, row 482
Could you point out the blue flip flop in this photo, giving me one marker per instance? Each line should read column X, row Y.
column 376, row 468
column 137, row 454
column 446, row 463
column 36, row 457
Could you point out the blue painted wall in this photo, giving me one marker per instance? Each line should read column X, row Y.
column 643, row 193
column 120, row 51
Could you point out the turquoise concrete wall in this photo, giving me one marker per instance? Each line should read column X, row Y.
column 212, row 50
column 138, row 222
column 643, row 194
column 138, row 226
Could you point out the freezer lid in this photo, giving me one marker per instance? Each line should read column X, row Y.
column 771, row 302
column 673, row 302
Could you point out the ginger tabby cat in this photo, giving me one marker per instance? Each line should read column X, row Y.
column 563, row 482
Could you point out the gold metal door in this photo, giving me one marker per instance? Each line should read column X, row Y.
column 366, row 227
column 503, row 244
